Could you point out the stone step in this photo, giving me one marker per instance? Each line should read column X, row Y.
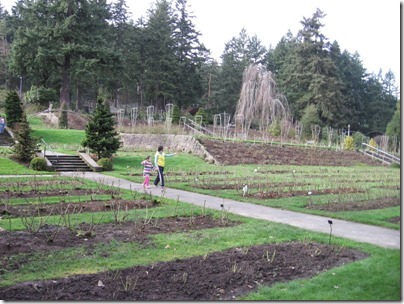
column 69, row 157
column 68, row 163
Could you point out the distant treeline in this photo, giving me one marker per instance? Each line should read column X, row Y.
column 73, row 51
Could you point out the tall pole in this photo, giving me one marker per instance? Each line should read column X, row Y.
column 20, row 87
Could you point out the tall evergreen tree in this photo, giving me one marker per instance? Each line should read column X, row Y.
column 353, row 75
column 311, row 76
column 63, row 121
column 379, row 105
column 394, row 126
column 101, row 137
column 53, row 35
column 309, row 118
column 119, row 80
column 24, row 148
column 13, row 108
column 277, row 57
column 238, row 54
column 210, row 81
column 189, row 55
column 161, row 65
column 4, row 46
column 137, row 59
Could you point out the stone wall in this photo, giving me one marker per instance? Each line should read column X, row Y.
column 171, row 143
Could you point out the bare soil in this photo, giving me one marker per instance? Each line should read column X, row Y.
column 26, row 210
column 50, row 237
column 359, row 205
column 218, row 276
column 56, row 192
column 233, row 153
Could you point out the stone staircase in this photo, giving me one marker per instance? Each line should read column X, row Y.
column 5, row 139
column 68, row 163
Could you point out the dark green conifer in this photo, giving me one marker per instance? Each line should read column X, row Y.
column 13, row 108
column 24, row 148
column 101, row 137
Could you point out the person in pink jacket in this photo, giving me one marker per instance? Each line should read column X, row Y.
column 147, row 169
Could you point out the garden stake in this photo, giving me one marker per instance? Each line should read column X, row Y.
column 330, row 222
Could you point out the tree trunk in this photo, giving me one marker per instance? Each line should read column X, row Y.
column 78, row 101
column 65, row 84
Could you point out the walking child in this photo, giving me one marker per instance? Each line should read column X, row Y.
column 147, row 169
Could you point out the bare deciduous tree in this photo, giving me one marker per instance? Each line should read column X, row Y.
column 259, row 101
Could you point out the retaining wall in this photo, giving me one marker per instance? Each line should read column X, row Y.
column 171, row 143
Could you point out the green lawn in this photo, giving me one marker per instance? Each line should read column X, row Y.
column 376, row 278
column 188, row 172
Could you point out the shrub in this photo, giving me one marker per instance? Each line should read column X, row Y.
column 395, row 165
column 176, row 115
column 292, row 133
column 40, row 95
column 372, row 143
column 310, row 117
column 359, row 138
column 394, row 126
column 349, row 143
column 202, row 112
column 275, row 128
column 38, row 164
column 106, row 164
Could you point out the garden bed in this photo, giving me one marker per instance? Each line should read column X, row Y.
column 218, row 276
column 233, row 153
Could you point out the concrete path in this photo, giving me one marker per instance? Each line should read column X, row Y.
column 379, row 236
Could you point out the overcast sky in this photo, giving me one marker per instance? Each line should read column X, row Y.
column 372, row 28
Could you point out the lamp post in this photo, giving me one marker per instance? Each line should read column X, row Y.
column 330, row 222
column 20, row 87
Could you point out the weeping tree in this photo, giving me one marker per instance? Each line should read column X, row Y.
column 259, row 99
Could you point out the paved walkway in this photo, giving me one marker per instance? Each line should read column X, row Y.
column 379, row 236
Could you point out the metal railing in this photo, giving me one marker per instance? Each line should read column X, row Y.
column 379, row 154
column 47, row 147
column 195, row 127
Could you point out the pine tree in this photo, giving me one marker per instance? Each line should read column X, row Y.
column 394, row 126
column 310, row 76
column 202, row 112
column 13, row 108
column 101, row 137
column 238, row 54
column 176, row 115
column 189, row 55
column 56, row 40
column 160, row 77
column 24, row 149
column 309, row 118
